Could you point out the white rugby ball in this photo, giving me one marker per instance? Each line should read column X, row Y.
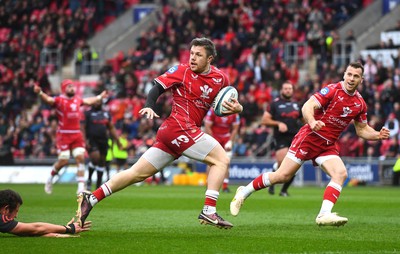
column 226, row 94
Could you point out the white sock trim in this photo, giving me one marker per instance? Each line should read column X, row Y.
column 212, row 194
column 335, row 186
column 265, row 178
column 106, row 189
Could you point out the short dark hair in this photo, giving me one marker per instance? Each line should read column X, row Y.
column 285, row 82
column 357, row 65
column 10, row 198
column 207, row 44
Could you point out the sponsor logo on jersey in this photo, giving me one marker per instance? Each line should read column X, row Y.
column 206, row 90
column 340, row 98
column 324, row 91
column 173, row 69
column 357, row 104
column 194, row 76
column 336, row 121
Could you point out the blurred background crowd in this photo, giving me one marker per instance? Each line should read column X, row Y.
column 249, row 35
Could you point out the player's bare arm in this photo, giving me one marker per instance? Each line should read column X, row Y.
column 308, row 114
column 232, row 107
column 268, row 121
column 92, row 100
column 43, row 96
column 367, row 132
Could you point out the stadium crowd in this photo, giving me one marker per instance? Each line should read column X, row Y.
column 249, row 35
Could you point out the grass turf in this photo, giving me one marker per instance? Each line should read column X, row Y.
column 163, row 219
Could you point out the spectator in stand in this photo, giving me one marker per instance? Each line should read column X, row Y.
column 388, row 96
column 6, row 155
column 250, row 107
column 382, row 73
column 370, row 70
column 396, row 59
column 396, row 110
column 396, row 78
column 69, row 135
column 393, row 125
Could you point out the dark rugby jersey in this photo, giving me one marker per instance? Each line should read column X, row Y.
column 96, row 123
column 6, row 224
column 287, row 112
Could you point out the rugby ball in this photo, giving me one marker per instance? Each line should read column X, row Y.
column 225, row 94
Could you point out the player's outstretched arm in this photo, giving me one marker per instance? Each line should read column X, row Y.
column 92, row 100
column 43, row 96
column 50, row 230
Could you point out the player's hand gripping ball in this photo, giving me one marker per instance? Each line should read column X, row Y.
column 226, row 94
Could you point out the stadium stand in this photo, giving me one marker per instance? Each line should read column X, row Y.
column 250, row 38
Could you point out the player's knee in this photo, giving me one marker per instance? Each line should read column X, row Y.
column 79, row 151
column 138, row 175
column 225, row 160
column 64, row 155
column 343, row 175
column 339, row 176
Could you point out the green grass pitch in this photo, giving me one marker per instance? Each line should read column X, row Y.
column 163, row 219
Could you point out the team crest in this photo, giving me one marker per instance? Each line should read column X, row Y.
column 206, row 90
column 74, row 107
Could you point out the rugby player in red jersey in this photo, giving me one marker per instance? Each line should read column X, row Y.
column 327, row 113
column 194, row 86
column 69, row 135
column 224, row 129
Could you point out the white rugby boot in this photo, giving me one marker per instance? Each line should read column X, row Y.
column 330, row 219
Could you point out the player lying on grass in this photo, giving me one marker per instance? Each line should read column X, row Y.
column 10, row 202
